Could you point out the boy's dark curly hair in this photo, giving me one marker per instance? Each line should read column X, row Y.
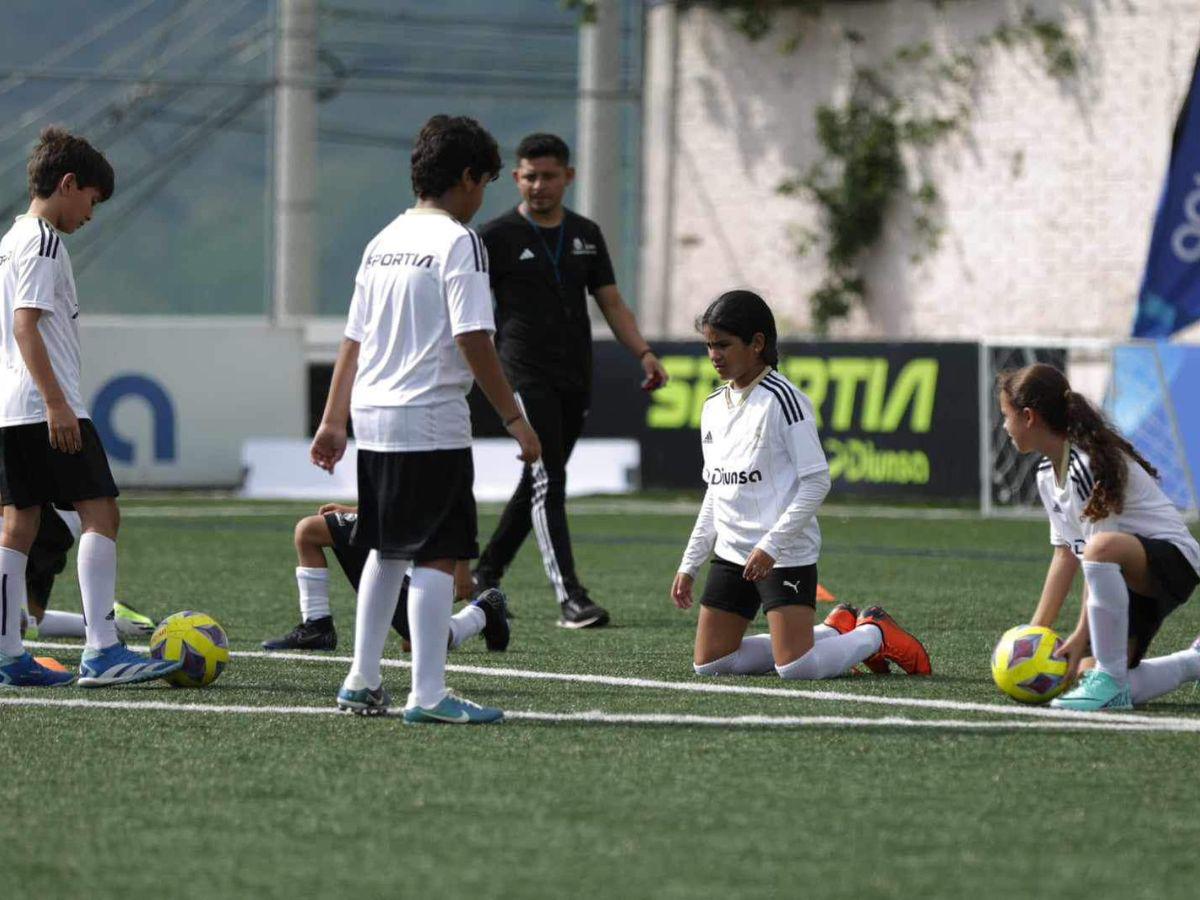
column 57, row 153
column 446, row 147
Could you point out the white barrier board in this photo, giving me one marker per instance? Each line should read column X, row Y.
column 173, row 399
column 280, row 469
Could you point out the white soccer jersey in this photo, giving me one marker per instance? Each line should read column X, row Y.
column 758, row 444
column 1147, row 511
column 423, row 280
column 35, row 273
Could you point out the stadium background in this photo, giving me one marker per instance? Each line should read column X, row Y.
column 1046, row 199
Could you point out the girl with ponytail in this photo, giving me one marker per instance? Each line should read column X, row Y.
column 1109, row 517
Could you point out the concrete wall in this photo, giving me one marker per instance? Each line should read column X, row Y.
column 1047, row 200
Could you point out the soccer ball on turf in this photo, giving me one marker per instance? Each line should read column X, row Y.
column 1026, row 664
column 196, row 639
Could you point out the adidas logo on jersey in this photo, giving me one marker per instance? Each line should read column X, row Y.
column 708, row 437
column 526, row 254
column 1057, row 508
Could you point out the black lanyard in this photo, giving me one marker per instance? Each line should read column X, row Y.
column 557, row 254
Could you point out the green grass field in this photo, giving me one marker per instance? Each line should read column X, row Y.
column 873, row 800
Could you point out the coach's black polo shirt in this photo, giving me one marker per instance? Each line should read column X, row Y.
column 542, row 329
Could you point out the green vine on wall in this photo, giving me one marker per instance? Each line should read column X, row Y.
column 916, row 99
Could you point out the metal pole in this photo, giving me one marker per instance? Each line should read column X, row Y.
column 295, row 188
column 598, row 185
column 658, row 166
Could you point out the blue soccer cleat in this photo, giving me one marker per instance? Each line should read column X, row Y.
column 364, row 701
column 117, row 664
column 453, row 711
column 24, row 671
column 1095, row 691
column 496, row 630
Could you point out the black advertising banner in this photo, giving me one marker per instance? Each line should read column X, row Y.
column 898, row 420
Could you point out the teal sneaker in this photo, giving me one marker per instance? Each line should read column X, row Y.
column 453, row 711
column 364, row 701
column 1095, row 691
column 24, row 671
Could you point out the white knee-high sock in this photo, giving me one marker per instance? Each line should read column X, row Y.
column 61, row 624
column 834, row 655
column 820, row 632
column 753, row 657
column 430, row 601
column 97, row 563
column 465, row 624
column 377, row 593
column 313, row 584
column 1161, row 675
column 1108, row 617
column 12, row 599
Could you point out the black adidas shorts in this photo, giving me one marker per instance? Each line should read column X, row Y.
column 1176, row 578
column 726, row 589
column 350, row 558
column 418, row 506
column 33, row 473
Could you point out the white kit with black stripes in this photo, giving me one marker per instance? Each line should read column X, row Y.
column 423, row 280
column 1147, row 511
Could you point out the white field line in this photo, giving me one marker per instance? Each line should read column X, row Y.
column 603, row 718
column 578, row 508
column 708, row 687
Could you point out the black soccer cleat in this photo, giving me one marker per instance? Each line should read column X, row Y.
column 578, row 611
column 315, row 634
column 496, row 630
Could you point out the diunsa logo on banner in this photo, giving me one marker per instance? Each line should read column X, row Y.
column 1185, row 240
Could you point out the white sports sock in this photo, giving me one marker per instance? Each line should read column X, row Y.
column 61, row 624
column 377, row 593
column 835, row 655
column 430, row 601
column 753, row 657
column 820, row 632
column 467, row 623
column 313, row 585
column 1161, row 675
column 1108, row 617
column 12, row 598
column 97, row 562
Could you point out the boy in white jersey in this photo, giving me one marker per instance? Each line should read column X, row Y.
column 1109, row 517
column 420, row 326
column 49, row 449
column 767, row 475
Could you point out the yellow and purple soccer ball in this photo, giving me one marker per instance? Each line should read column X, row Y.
column 1026, row 664
column 198, row 640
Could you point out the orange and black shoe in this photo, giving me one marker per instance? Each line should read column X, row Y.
column 843, row 618
column 898, row 645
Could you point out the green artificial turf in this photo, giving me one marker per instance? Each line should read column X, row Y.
column 104, row 803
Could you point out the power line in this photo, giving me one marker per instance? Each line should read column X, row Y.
column 38, row 113
column 155, row 175
column 435, row 83
column 97, row 31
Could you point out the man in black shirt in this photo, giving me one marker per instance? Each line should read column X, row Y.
column 544, row 260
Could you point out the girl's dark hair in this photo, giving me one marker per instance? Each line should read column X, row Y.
column 58, row 153
column 445, row 146
column 744, row 314
column 1045, row 390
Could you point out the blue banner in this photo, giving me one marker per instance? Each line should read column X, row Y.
column 1169, row 298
